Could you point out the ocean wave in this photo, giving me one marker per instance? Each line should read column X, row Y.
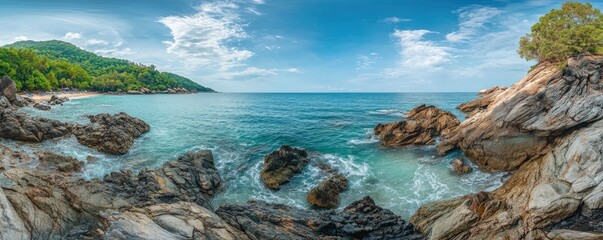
column 370, row 138
column 390, row 112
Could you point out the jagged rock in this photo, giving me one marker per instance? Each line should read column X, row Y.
column 4, row 103
column 53, row 205
column 563, row 234
column 281, row 165
column 360, row 220
column 111, row 133
column 41, row 106
column 60, row 162
column 459, row 167
column 486, row 97
column 20, row 126
column 547, row 126
column 422, row 125
column 8, row 88
column 55, row 100
column 180, row 220
column 326, row 194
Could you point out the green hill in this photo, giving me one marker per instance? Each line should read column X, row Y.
column 51, row 65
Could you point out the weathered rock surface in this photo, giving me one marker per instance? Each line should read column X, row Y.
column 459, row 167
column 8, row 88
column 281, row 165
column 547, row 126
column 44, row 204
column 422, row 126
column 60, row 162
column 478, row 105
column 19, row 126
column 113, row 134
column 326, row 194
column 563, row 234
column 41, row 106
column 360, row 220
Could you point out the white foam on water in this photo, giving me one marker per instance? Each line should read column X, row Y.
column 370, row 138
column 390, row 112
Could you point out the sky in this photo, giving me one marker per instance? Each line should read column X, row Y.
column 295, row 45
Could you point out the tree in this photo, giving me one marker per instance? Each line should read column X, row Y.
column 574, row 29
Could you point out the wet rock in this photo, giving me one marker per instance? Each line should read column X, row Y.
column 459, row 167
column 91, row 159
column 42, row 107
column 326, row 194
column 281, row 165
column 112, row 134
column 55, row 100
column 20, row 126
column 548, row 127
column 60, row 162
column 422, row 126
column 8, row 88
column 360, row 220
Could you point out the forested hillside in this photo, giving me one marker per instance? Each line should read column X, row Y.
column 51, row 65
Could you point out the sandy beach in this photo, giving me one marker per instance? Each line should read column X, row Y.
column 46, row 97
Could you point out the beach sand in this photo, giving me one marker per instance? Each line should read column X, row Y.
column 46, row 97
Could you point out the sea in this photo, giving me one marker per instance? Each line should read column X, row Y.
column 240, row 128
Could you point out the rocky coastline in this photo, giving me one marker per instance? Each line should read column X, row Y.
column 546, row 130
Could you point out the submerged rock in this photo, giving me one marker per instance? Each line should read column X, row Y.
column 360, row 220
column 20, row 126
column 281, row 165
column 41, row 106
column 548, row 126
column 326, row 194
column 60, row 162
column 423, row 125
column 459, row 167
column 112, row 134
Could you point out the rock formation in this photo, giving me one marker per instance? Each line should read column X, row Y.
column 8, row 88
column 459, row 167
column 422, row 125
column 547, row 126
column 281, row 165
column 41, row 106
column 485, row 98
column 60, row 162
column 326, row 194
column 54, row 100
column 113, row 134
column 19, row 126
column 360, row 220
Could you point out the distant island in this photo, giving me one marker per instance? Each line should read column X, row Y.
column 54, row 65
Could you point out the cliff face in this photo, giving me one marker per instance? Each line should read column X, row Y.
column 547, row 127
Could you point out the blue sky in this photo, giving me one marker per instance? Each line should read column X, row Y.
column 294, row 45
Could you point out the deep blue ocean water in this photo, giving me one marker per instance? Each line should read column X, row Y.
column 241, row 128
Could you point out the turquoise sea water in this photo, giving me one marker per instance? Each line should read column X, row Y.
column 242, row 128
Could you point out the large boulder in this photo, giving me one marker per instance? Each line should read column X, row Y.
column 55, row 100
column 8, row 88
column 360, row 220
column 422, row 126
column 112, row 134
column 20, row 126
column 548, row 127
column 326, row 194
column 41, row 203
column 281, row 165
column 41, row 106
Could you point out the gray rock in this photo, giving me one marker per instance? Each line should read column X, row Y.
column 20, row 126
column 8, row 88
column 112, row 134
column 42, row 107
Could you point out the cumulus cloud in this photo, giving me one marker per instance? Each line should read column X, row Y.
column 72, row 36
column 208, row 36
column 416, row 52
column 471, row 20
column 395, row 20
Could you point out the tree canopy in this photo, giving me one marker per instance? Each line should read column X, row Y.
column 574, row 29
column 51, row 65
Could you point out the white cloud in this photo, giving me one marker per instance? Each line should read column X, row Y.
column 207, row 37
column 97, row 42
column 293, row 70
column 20, row 38
column 254, row 11
column 259, row 1
column 396, row 20
column 114, row 52
column 248, row 73
column 471, row 19
column 366, row 61
column 416, row 52
column 72, row 36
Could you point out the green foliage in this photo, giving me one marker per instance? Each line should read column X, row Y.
column 52, row 65
column 574, row 29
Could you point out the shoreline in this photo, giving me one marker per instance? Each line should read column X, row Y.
column 40, row 98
